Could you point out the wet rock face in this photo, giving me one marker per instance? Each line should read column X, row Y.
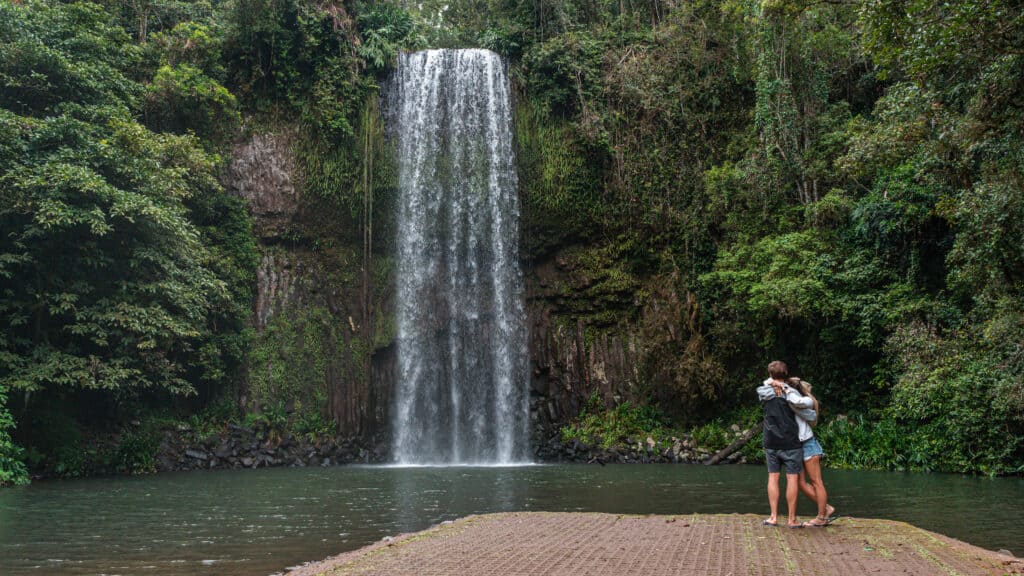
column 307, row 314
column 262, row 171
column 581, row 341
column 279, row 280
column 568, row 366
column 308, row 308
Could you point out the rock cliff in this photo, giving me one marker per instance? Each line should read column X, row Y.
column 592, row 327
column 314, row 352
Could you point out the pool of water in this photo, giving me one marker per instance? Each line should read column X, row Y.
column 261, row 521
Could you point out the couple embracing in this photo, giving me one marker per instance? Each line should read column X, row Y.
column 789, row 411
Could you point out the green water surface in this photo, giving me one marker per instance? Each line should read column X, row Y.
column 261, row 521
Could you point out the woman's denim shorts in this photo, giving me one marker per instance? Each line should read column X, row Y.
column 812, row 448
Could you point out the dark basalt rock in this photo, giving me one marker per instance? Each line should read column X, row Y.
column 240, row 447
column 628, row 451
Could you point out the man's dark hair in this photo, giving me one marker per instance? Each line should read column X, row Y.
column 778, row 370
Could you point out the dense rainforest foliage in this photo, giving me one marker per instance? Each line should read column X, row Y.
column 837, row 184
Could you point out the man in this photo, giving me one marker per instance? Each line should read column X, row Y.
column 781, row 443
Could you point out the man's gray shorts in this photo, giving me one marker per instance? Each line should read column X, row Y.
column 793, row 459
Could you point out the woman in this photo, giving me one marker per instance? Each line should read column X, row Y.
column 810, row 477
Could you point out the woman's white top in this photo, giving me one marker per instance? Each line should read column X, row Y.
column 803, row 407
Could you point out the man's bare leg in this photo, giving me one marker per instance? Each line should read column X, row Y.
column 792, row 491
column 773, row 496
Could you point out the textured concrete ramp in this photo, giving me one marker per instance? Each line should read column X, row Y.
column 610, row 545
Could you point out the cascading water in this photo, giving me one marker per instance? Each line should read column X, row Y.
column 461, row 396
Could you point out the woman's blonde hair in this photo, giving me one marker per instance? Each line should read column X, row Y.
column 804, row 388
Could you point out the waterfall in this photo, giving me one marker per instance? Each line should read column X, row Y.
column 461, row 395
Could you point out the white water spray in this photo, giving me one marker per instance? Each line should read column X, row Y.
column 461, row 397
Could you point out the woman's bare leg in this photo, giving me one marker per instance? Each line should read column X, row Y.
column 812, row 469
column 806, row 488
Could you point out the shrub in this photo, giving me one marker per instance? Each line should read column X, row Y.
column 12, row 468
column 608, row 427
column 312, row 425
column 273, row 420
column 857, row 442
column 136, row 451
column 182, row 98
column 386, row 29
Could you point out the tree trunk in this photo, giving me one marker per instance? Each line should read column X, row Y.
column 143, row 25
column 736, row 445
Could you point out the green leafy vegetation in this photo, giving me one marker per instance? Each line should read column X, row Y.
column 724, row 182
column 290, row 358
column 127, row 268
column 136, row 451
column 598, row 425
column 834, row 185
column 12, row 468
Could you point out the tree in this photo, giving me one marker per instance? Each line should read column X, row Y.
column 113, row 279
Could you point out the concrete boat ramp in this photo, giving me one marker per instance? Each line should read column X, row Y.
column 543, row 543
